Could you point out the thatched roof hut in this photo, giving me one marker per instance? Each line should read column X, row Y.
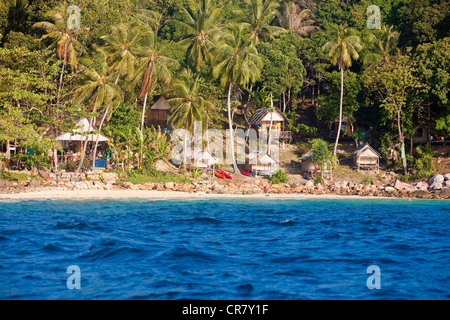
column 366, row 157
column 260, row 162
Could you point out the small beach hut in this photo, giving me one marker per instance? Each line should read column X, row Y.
column 158, row 114
column 197, row 157
column 365, row 157
column 77, row 138
column 84, row 129
column 262, row 118
column 260, row 163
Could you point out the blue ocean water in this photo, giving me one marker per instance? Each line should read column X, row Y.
column 225, row 249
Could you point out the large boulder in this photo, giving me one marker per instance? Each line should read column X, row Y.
column 33, row 184
column 437, row 179
column 421, row 185
column 398, row 185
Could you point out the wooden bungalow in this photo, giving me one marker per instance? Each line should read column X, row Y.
column 260, row 163
column 197, row 157
column 262, row 118
column 365, row 157
column 158, row 114
column 347, row 128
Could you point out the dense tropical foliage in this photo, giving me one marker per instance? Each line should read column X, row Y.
column 212, row 58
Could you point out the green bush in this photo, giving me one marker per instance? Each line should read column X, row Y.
column 423, row 162
column 279, row 177
column 367, row 180
column 196, row 172
column 153, row 175
column 318, row 179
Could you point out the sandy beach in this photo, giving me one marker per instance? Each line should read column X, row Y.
column 152, row 194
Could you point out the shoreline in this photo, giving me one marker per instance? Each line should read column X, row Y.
column 170, row 195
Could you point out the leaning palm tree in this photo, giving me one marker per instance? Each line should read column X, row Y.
column 121, row 43
column 383, row 46
column 64, row 39
column 188, row 105
column 237, row 63
column 153, row 67
column 293, row 18
column 201, row 20
column 261, row 14
column 341, row 52
column 98, row 90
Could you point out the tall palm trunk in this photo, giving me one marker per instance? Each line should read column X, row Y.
column 143, row 111
column 185, row 143
column 84, row 149
column 97, row 139
column 230, row 122
column 402, row 142
column 340, row 112
column 271, row 122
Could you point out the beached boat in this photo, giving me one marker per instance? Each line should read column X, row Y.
column 219, row 175
column 226, row 175
column 246, row 173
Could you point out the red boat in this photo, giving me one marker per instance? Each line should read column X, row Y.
column 225, row 174
column 219, row 175
column 245, row 173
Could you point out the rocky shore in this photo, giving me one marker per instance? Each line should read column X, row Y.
column 437, row 187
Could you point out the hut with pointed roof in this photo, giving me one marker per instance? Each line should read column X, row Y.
column 366, row 157
column 158, row 114
column 260, row 163
column 261, row 119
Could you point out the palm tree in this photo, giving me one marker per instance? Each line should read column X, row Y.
column 237, row 62
column 153, row 67
column 294, row 18
column 98, row 90
column 121, row 43
column 341, row 52
column 200, row 19
column 64, row 39
column 188, row 105
column 261, row 14
column 148, row 18
column 383, row 46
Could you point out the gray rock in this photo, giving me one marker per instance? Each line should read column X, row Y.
column 439, row 178
column 408, row 187
column 309, row 184
column 389, row 189
column 169, row 185
column 447, row 177
column 127, row 185
column 398, row 185
column 33, row 184
column 421, row 185
column 436, row 186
